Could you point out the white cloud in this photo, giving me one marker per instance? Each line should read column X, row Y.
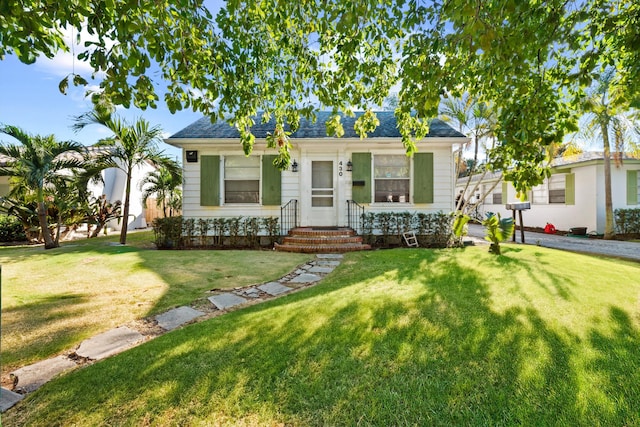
column 65, row 63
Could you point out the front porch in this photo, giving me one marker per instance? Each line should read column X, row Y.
column 321, row 240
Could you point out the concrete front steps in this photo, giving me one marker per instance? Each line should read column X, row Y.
column 321, row 240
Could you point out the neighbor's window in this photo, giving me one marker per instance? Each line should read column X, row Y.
column 242, row 179
column 540, row 194
column 557, row 188
column 391, row 173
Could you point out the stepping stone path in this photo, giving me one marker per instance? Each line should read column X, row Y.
column 226, row 300
column 30, row 378
column 8, row 399
column 177, row 317
column 109, row 343
column 274, row 288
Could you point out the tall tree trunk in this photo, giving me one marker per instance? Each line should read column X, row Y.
column 125, row 213
column 44, row 225
column 608, row 203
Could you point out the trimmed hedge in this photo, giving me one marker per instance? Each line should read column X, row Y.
column 380, row 229
column 11, row 230
column 384, row 229
column 627, row 221
column 237, row 232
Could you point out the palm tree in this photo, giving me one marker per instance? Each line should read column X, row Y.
column 130, row 146
column 37, row 163
column 475, row 119
column 605, row 117
column 163, row 183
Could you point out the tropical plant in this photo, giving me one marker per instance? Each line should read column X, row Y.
column 605, row 106
column 498, row 230
column 11, row 229
column 131, row 146
column 101, row 211
column 38, row 162
column 479, row 121
column 163, row 184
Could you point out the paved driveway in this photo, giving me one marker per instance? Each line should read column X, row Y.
column 616, row 248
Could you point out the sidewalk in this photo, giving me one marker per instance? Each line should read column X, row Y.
column 613, row 248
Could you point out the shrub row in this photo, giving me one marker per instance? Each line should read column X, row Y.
column 379, row 229
column 627, row 221
column 385, row 229
column 11, row 230
column 180, row 233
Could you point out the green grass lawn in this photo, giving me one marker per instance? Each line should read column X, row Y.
column 395, row 337
column 52, row 300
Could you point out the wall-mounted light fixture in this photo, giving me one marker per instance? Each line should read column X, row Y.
column 294, row 166
column 349, row 166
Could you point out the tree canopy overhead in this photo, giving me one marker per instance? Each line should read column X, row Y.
column 529, row 58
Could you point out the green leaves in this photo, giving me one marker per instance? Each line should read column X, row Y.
column 530, row 59
column 498, row 230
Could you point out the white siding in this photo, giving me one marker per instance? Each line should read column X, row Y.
column 589, row 208
column 294, row 184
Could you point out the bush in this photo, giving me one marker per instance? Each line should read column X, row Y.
column 627, row 221
column 236, row 232
column 384, row 229
column 168, row 232
column 11, row 230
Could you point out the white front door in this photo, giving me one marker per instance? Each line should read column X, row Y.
column 322, row 203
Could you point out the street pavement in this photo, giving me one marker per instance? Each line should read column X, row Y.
column 588, row 245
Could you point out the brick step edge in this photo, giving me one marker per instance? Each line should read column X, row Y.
column 324, row 240
column 321, row 248
column 319, row 232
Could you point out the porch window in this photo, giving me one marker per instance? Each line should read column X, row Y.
column 392, row 179
column 241, row 179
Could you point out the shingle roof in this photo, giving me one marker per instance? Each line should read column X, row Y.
column 204, row 129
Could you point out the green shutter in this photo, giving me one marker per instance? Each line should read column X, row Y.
column 271, row 182
column 210, row 181
column 361, row 174
column 570, row 189
column 505, row 193
column 423, row 178
column 632, row 187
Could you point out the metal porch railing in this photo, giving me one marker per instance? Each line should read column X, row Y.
column 288, row 216
column 355, row 212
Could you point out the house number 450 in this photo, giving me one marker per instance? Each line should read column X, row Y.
column 340, row 168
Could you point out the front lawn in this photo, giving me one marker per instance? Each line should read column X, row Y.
column 52, row 300
column 395, row 337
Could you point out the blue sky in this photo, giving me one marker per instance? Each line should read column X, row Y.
column 31, row 100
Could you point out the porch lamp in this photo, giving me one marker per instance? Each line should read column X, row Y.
column 294, row 166
column 349, row 166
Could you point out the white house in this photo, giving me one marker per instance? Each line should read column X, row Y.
column 572, row 197
column 326, row 175
column 113, row 186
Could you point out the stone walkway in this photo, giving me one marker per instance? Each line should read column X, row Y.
column 30, row 378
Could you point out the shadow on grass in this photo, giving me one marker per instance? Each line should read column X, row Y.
column 46, row 313
column 411, row 343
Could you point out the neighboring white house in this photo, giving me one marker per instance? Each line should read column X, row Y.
column 572, row 197
column 113, row 186
column 326, row 172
